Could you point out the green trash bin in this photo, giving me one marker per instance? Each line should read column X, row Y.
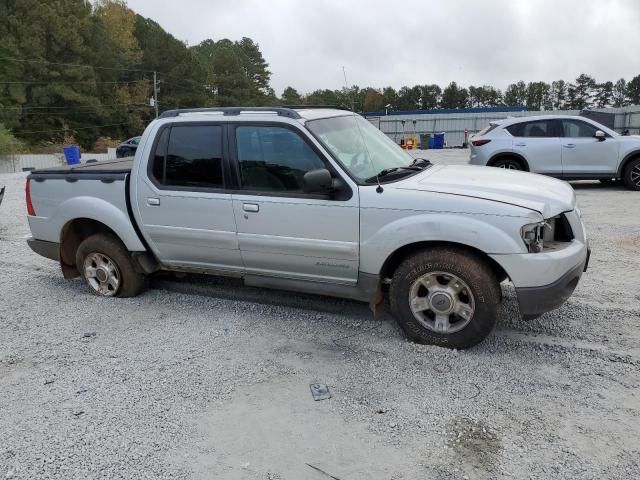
column 424, row 141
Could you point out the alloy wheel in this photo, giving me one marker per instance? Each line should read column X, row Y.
column 102, row 274
column 442, row 302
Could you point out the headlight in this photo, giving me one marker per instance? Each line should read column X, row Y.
column 533, row 236
column 550, row 234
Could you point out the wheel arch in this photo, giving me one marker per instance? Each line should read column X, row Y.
column 625, row 161
column 72, row 234
column 394, row 260
column 517, row 156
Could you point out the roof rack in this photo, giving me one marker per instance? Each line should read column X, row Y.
column 283, row 112
column 286, row 111
column 304, row 107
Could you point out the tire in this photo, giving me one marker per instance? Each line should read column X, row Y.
column 109, row 259
column 631, row 175
column 508, row 163
column 474, row 280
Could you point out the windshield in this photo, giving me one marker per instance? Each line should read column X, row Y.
column 359, row 146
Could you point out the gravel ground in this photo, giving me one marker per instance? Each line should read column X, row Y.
column 198, row 378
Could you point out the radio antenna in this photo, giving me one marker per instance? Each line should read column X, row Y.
column 346, row 86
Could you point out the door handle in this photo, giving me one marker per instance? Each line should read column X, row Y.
column 569, row 145
column 153, row 202
column 521, row 144
column 251, row 207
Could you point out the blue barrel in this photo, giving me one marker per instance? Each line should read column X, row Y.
column 438, row 140
column 72, row 154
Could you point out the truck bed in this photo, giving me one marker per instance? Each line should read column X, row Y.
column 120, row 166
column 98, row 191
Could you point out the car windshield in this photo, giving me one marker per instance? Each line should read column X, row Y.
column 360, row 147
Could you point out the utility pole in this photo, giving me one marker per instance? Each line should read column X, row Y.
column 155, row 92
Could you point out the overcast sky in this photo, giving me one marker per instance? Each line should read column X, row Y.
column 409, row 42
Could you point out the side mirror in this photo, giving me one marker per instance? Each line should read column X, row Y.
column 600, row 135
column 317, row 181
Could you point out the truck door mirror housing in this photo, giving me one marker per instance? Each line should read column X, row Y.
column 600, row 135
column 317, row 181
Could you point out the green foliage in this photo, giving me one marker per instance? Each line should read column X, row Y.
column 516, row 94
column 290, row 96
column 373, row 101
column 633, row 90
column 74, row 69
column 235, row 72
column 9, row 145
column 454, row 96
column 620, row 93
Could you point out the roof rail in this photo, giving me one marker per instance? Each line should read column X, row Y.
column 303, row 107
column 281, row 111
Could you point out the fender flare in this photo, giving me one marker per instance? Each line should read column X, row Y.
column 101, row 211
column 441, row 227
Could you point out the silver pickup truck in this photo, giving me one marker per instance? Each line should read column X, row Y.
column 314, row 200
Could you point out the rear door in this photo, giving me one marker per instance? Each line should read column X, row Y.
column 184, row 208
column 282, row 231
column 583, row 153
column 539, row 143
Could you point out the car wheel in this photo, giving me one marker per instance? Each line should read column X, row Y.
column 105, row 264
column 631, row 174
column 445, row 296
column 508, row 164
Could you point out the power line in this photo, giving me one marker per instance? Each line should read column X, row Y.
column 24, row 60
column 72, row 82
column 73, row 108
column 74, row 129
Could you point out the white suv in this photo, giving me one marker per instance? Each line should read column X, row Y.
column 563, row 146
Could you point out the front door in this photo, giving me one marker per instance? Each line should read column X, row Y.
column 583, row 153
column 185, row 212
column 282, row 231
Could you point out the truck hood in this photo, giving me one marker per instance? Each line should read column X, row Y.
column 542, row 194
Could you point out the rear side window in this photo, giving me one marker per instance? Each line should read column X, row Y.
column 486, row 129
column 539, row 128
column 578, row 129
column 273, row 158
column 189, row 156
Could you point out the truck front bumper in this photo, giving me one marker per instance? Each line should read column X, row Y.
column 46, row 249
column 534, row 301
column 544, row 281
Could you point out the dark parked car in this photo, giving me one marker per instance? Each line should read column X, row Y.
column 128, row 147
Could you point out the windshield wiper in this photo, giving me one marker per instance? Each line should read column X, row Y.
column 422, row 162
column 389, row 171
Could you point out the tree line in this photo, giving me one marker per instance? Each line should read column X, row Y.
column 584, row 92
column 76, row 71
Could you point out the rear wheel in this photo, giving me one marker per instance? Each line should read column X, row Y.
column 445, row 296
column 105, row 264
column 631, row 175
column 508, row 163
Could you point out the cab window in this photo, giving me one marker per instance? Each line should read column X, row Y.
column 189, row 156
column 273, row 158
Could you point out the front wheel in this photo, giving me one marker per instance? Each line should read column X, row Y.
column 445, row 296
column 105, row 264
column 631, row 174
